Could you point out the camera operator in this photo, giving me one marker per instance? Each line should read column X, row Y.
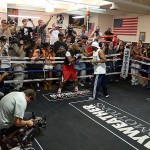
column 27, row 31
column 6, row 29
column 70, row 32
column 12, row 112
column 54, row 31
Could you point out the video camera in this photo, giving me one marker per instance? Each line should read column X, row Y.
column 24, row 136
column 70, row 29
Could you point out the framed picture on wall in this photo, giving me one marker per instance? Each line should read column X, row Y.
column 76, row 22
column 142, row 36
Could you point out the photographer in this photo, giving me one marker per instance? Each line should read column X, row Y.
column 54, row 31
column 96, row 34
column 26, row 31
column 6, row 29
column 70, row 32
column 12, row 112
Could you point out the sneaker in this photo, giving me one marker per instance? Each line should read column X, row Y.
column 106, row 96
column 79, row 92
column 38, row 87
column 59, row 96
column 91, row 99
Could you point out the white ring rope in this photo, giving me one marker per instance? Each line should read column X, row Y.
column 24, row 58
column 49, row 79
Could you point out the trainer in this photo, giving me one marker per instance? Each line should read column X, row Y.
column 98, row 62
column 12, row 111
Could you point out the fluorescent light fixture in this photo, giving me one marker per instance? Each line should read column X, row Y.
column 75, row 3
column 78, row 17
column 18, row 16
column 3, row 7
column 49, row 8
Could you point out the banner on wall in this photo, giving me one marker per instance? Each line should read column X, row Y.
column 76, row 22
column 12, row 11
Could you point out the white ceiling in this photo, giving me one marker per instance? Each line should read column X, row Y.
column 141, row 7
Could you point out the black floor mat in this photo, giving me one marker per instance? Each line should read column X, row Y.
column 71, row 127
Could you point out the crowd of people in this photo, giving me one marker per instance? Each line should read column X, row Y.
column 32, row 42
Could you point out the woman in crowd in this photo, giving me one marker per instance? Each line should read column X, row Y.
column 48, row 55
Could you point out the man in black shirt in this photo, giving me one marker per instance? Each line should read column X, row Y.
column 68, row 70
column 26, row 31
column 60, row 48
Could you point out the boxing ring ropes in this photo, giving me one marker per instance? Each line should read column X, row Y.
column 16, row 60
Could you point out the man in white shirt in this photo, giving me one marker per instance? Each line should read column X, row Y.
column 54, row 31
column 12, row 111
column 96, row 34
column 98, row 62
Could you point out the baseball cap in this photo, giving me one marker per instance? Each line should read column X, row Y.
column 3, row 38
column 60, row 34
column 95, row 44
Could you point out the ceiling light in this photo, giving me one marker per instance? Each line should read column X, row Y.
column 78, row 17
column 18, row 16
column 75, row 3
column 49, row 9
column 3, row 7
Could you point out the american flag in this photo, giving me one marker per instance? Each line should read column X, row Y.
column 125, row 26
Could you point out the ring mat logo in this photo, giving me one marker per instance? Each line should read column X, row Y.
column 66, row 95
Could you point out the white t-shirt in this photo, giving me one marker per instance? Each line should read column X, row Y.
column 54, row 36
column 99, row 68
column 12, row 105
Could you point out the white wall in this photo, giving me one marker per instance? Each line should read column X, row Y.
column 104, row 21
column 3, row 16
column 144, row 26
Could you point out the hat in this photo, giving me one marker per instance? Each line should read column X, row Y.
column 95, row 44
column 60, row 34
column 128, row 44
column 3, row 38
